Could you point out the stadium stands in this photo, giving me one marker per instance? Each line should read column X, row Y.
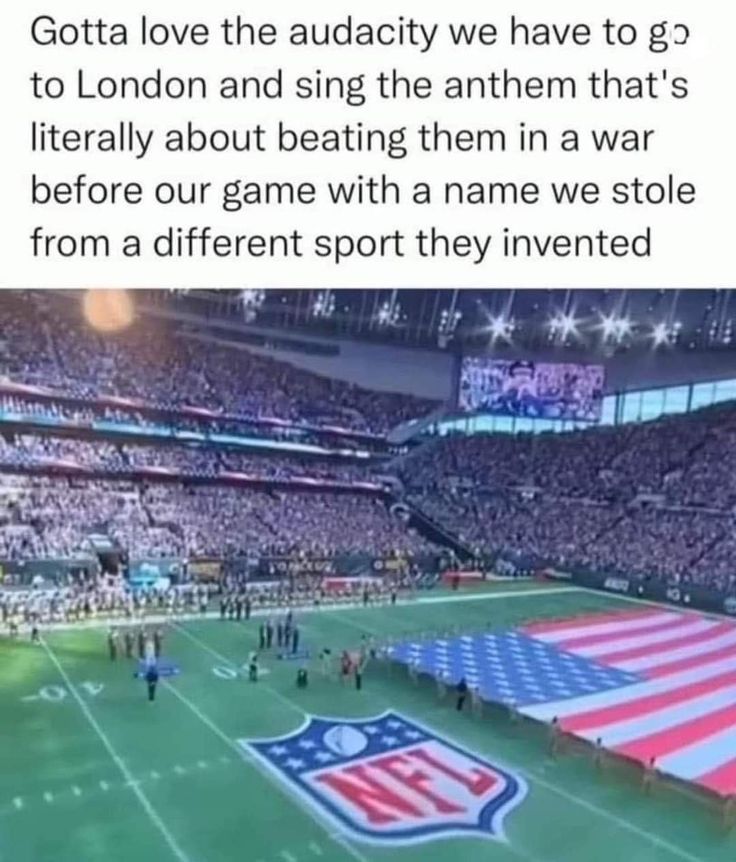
column 655, row 499
column 156, row 362
column 176, row 520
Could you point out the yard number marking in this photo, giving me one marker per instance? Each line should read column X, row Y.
column 58, row 693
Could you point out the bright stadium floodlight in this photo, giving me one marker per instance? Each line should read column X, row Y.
column 608, row 326
column 500, row 327
column 563, row 325
column 615, row 328
column 622, row 327
column 660, row 334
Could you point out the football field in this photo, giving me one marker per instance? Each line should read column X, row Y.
column 89, row 770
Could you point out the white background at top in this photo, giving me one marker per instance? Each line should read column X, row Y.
column 693, row 245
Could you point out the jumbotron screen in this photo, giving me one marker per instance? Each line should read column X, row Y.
column 534, row 390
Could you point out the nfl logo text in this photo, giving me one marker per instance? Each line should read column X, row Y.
column 389, row 780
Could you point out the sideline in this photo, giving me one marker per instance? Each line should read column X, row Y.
column 669, row 606
column 153, row 619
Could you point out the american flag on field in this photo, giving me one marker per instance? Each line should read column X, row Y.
column 647, row 683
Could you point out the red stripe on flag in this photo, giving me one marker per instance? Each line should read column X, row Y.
column 592, row 640
column 722, row 779
column 691, row 662
column 665, row 646
column 644, row 705
column 587, row 620
column 674, row 738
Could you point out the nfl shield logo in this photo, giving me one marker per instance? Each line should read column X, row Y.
column 389, row 780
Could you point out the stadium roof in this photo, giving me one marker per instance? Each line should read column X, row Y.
column 600, row 321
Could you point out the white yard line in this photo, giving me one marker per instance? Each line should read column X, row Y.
column 130, row 781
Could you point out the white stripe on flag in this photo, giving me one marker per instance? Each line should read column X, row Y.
column 578, row 631
column 587, row 702
column 633, row 641
column 621, row 732
column 701, row 757
column 672, row 655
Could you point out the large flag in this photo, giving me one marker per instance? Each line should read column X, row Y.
column 647, row 683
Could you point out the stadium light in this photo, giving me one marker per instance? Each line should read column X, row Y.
column 563, row 326
column 324, row 304
column 665, row 333
column 622, row 327
column 388, row 313
column 615, row 328
column 608, row 326
column 500, row 327
column 449, row 321
column 660, row 334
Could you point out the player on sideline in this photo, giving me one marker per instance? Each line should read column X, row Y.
column 112, row 644
column 294, row 640
column 598, row 753
column 302, row 677
column 253, row 667
column 555, row 737
column 128, row 638
column 35, row 635
column 649, row 776
column 151, row 681
column 325, row 659
column 158, row 642
column 462, row 693
column 360, row 666
column 345, row 666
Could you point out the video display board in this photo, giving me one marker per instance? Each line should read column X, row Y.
column 533, row 390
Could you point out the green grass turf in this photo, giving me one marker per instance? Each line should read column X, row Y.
column 108, row 776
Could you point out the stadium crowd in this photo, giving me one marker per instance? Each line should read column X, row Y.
column 45, row 343
column 654, row 500
column 45, row 517
column 680, row 458
column 29, row 450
